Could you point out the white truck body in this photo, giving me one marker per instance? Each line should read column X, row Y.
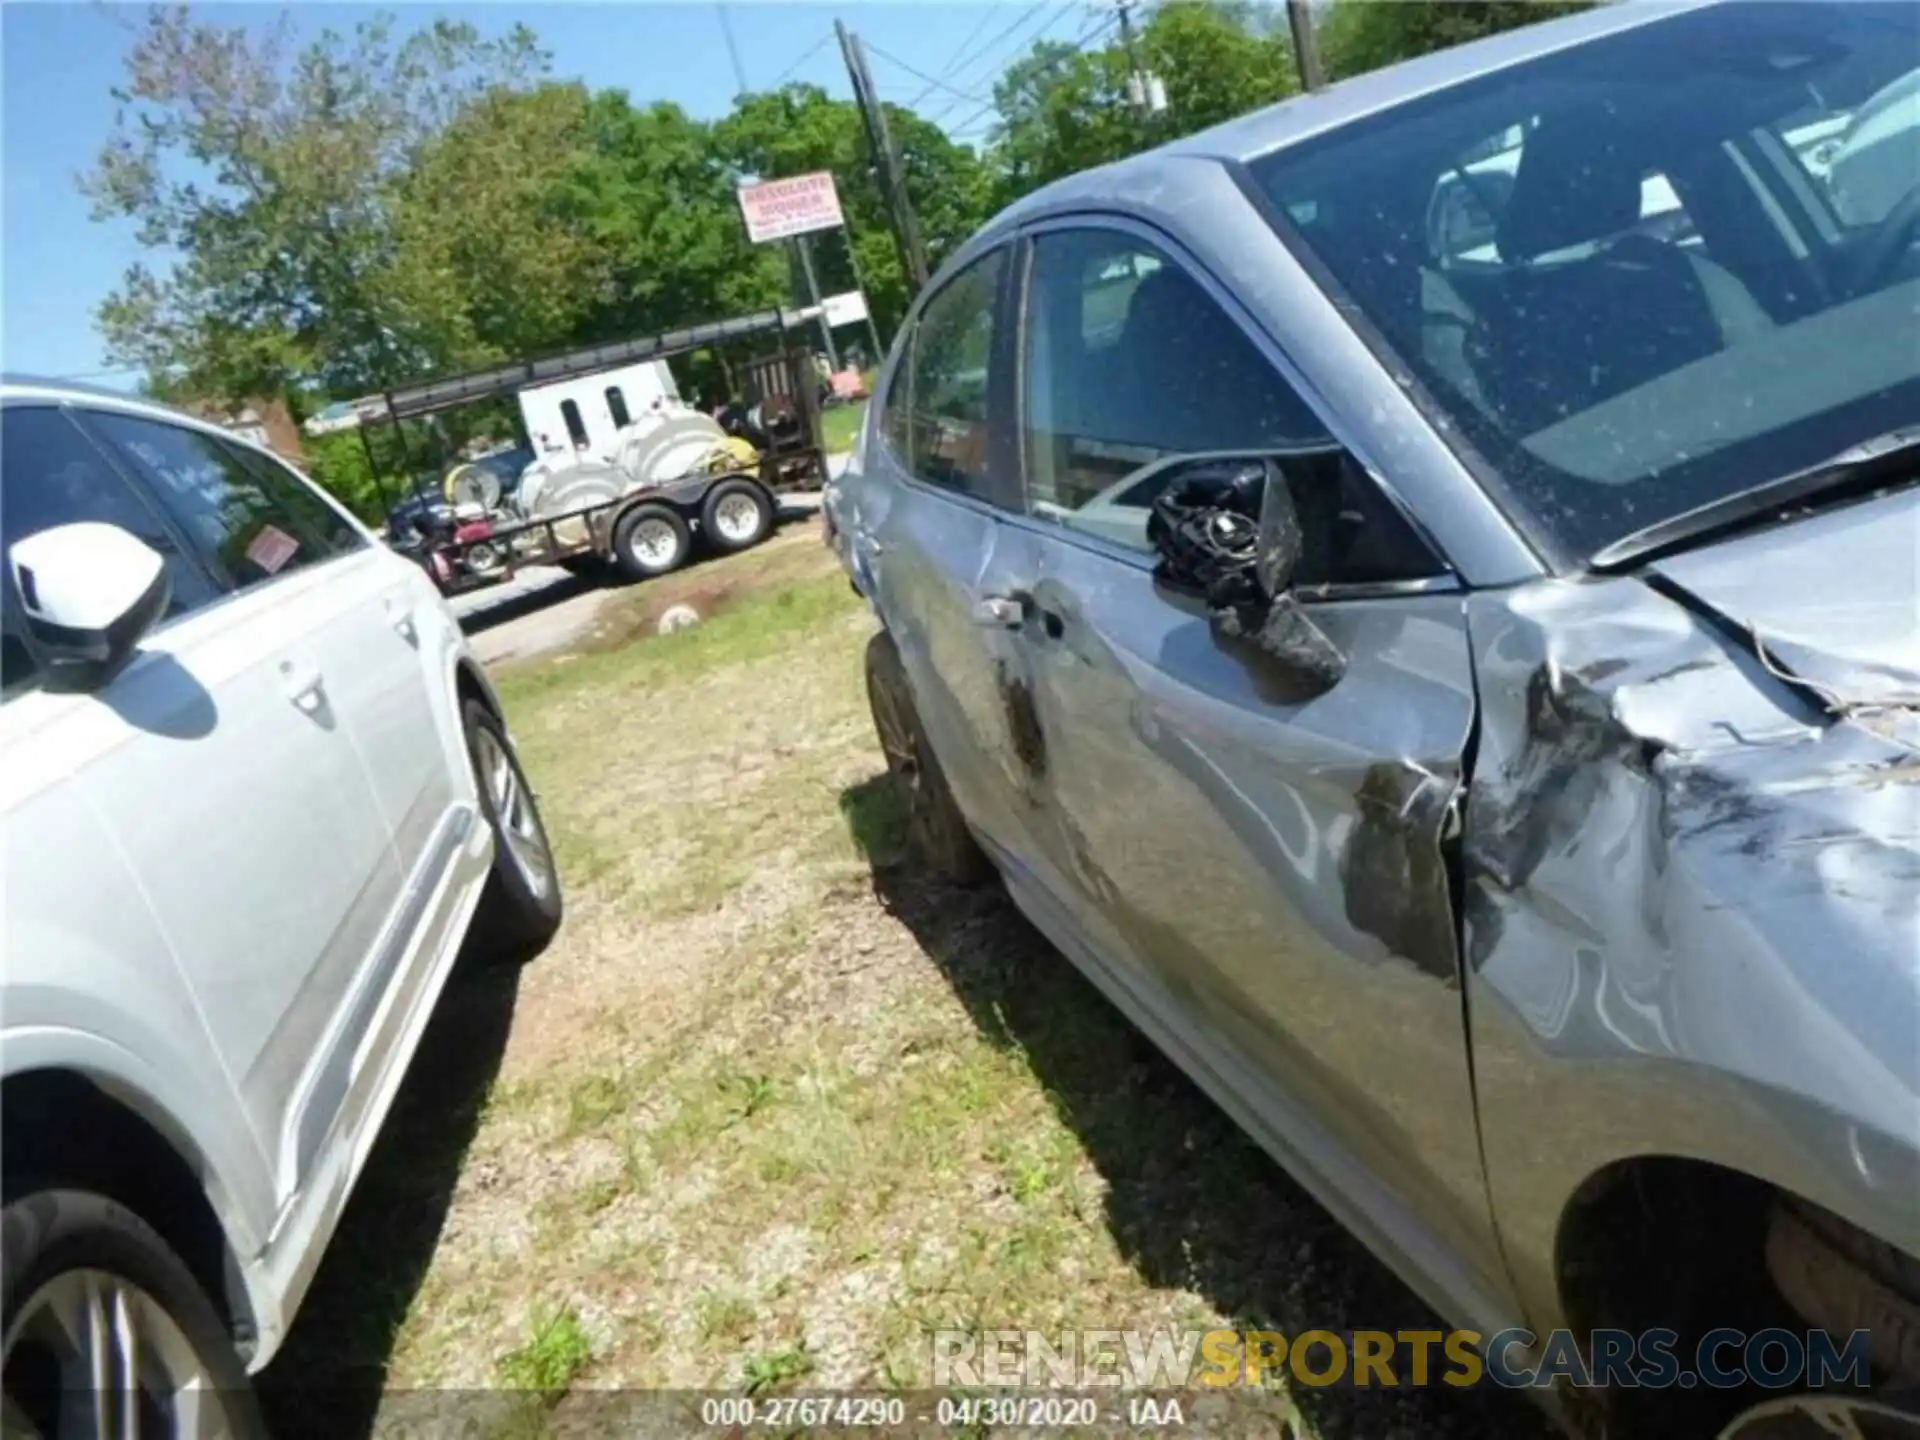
column 601, row 403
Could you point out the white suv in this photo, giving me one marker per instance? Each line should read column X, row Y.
column 255, row 793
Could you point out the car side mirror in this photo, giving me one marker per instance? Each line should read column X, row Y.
column 1226, row 527
column 88, row 592
column 1278, row 546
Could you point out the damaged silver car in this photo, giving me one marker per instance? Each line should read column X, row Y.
column 1417, row 593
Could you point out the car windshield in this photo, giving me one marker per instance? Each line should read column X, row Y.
column 1645, row 272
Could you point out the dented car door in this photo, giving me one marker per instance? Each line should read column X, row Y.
column 1268, row 873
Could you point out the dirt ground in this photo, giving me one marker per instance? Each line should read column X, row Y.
column 545, row 609
column 774, row 1107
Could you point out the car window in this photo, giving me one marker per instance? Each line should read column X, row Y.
column 298, row 496
column 250, row 520
column 51, row 474
column 937, row 406
column 1860, row 157
column 1129, row 360
column 1594, row 266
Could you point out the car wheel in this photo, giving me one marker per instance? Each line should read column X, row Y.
column 650, row 540
column 106, row 1330
column 521, row 907
column 936, row 829
column 736, row 515
column 1845, row 1281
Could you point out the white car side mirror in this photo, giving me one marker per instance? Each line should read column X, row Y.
column 89, row 591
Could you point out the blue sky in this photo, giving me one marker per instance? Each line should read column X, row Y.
column 58, row 62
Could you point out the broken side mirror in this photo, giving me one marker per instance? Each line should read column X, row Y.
column 1226, row 528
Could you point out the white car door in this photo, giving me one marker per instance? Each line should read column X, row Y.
column 391, row 683
column 233, row 782
column 385, row 651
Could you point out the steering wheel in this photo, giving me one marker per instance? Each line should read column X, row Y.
column 1891, row 240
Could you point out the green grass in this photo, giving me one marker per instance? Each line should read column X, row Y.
column 775, row 1368
column 755, row 629
column 776, row 1106
column 840, row 425
column 556, row 1352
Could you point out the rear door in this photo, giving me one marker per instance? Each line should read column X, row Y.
column 387, row 686
column 940, row 472
column 1263, row 868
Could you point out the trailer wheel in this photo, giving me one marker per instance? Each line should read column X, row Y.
column 650, row 540
column 736, row 515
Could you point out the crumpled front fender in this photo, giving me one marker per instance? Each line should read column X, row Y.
column 1690, row 917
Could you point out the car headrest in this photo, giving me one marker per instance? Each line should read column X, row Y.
column 1160, row 312
column 1576, row 183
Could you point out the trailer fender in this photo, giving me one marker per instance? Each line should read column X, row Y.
column 688, row 493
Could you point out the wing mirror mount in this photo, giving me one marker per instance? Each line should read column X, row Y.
column 88, row 591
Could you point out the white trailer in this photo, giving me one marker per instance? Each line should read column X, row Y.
column 582, row 418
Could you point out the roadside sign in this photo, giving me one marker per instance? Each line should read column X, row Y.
column 777, row 209
column 849, row 308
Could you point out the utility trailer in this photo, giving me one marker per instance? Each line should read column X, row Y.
column 641, row 532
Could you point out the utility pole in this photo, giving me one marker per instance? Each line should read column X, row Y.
column 813, row 294
column 1145, row 92
column 866, row 296
column 1306, row 48
column 906, row 229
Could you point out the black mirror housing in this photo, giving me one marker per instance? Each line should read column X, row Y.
column 1227, row 528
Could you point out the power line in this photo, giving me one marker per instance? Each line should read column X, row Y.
column 1101, row 25
column 1026, row 15
column 932, row 81
column 806, row 55
column 986, row 14
column 1032, row 38
column 733, row 49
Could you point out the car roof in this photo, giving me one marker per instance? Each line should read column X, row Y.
column 14, row 387
column 36, row 387
column 1301, row 117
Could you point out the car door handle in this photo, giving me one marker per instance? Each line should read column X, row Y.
column 303, row 685
column 400, row 616
column 1004, row 612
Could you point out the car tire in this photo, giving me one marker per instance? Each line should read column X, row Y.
column 650, row 540
column 1844, row 1280
column 65, row 1252
column 522, row 905
column 936, row 830
column 736, row 515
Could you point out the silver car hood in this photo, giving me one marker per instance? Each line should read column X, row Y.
column 1833, row 599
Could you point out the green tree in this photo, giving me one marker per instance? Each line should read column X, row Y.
column 1217, row 61
column 1063, row 109
column 491, row 257
column 273, row 175
column 338, row 462
column 1359, row 35
column 656, row 195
